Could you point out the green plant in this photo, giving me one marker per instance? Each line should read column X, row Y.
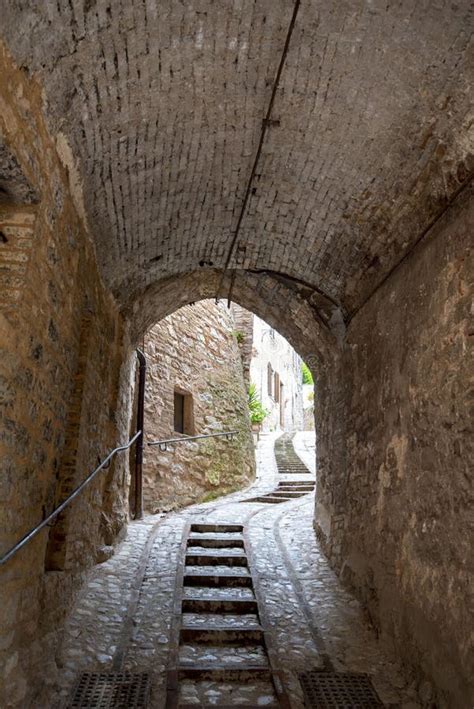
column 212, row 495
column 239, row 336
column 256, row 409
column 306, row 374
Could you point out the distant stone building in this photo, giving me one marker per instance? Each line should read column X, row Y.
column 308, row 407
column 195, row 385
column 271, row 363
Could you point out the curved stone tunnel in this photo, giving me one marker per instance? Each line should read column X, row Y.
column 314, row 164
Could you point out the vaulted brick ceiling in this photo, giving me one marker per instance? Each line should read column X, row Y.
column 162, row 102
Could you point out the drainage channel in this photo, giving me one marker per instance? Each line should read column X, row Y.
column 219, row 655
column 116, row 688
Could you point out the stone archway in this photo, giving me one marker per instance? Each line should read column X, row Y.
column 315, row 333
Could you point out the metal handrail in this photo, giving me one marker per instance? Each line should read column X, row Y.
column 33, row 532
column 164, row 444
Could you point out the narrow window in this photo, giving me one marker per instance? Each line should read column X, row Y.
column 269, row 379
column 183, row 413
column 276, row 387
column 179, row 412
column 282, row 406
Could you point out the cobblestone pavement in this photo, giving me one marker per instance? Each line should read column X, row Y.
column 123, row 617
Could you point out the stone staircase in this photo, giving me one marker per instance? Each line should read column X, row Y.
column 288, row 463
column 286, row 490
column 221, row 657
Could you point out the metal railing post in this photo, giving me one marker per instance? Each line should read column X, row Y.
column 139, row 444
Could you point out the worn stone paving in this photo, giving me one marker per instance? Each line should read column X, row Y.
column 123, row 618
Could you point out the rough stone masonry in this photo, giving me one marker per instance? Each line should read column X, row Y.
column 195, row 352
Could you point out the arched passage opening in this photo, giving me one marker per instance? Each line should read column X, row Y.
column 314, row 331
column 203, row 360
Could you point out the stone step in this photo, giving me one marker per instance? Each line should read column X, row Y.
column 191, row 654
column 217, row 620
column 211, row 542
column 197, row 527
column 225, row 593
column 217, row 569
column 240, row 635
column 291, row 466
column 292, row 472
column 211, row 535
column 215, row 556
column 272, row 499
column 218, row 604
column 223, row 706
column 219, row 580
column 293, row 490
column 289, row 495
column 232, row 695
column 224, row 673
column 305, row 481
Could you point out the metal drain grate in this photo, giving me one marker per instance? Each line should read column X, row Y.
column 338, row 690
column 111, row 690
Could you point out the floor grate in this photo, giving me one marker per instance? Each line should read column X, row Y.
column 111, row 690
column 338, row 690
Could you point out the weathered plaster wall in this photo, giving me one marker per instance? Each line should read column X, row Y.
column 61, row 342
column 195, row 350
column 405, row 542
column 259, row 346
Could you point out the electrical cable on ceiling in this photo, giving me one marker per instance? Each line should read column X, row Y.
column 266, row 123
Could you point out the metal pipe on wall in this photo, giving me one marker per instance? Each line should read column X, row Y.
column 139, row 427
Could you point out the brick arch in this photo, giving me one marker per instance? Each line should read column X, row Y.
column 282, row 307
column 355, row 166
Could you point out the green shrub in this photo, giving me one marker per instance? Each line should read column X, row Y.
column 306, row 374
column 256, row 410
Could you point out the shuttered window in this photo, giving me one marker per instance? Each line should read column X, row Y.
column 269, row 379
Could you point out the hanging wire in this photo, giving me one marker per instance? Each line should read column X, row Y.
column 267, row 121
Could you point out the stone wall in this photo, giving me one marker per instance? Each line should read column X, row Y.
column 243, row 320
column 195, row 350
column 275, row 370
column 62, row 347
column 258, row 349
column 400, row 531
